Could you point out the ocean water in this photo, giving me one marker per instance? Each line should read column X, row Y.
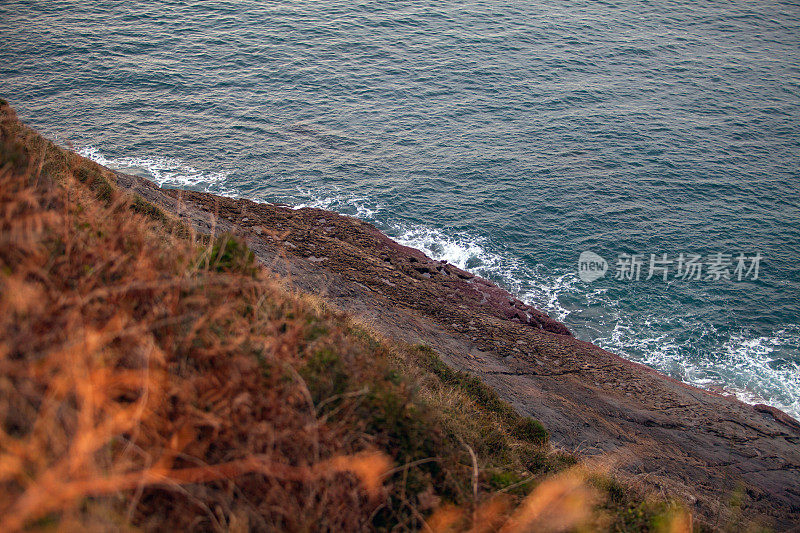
column 505, row 137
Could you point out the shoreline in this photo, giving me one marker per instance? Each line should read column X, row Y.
column 727, row 390
column 718, row 389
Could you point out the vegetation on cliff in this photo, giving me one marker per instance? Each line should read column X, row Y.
column 156, row 378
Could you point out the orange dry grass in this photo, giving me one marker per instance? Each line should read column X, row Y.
column 565, row 502
column 131, row 379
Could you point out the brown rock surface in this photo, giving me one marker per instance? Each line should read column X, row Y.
column 672, row 437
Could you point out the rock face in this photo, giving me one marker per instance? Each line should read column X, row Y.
column 700, row 447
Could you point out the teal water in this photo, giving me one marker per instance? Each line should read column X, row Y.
column 504, row 137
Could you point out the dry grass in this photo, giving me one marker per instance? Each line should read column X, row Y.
column 155, row 379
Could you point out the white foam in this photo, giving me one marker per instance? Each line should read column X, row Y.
column 741, row 364
column 465, row 251
column 546, row 291
column 161, row 170
column 755, row 357
column 337, row 201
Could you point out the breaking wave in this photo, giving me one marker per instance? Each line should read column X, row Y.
column 164, row 171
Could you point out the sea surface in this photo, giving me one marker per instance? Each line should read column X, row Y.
column 504, row 137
